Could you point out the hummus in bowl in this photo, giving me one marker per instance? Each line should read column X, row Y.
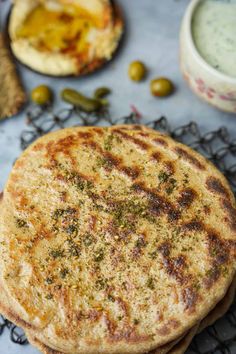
column 64, row 37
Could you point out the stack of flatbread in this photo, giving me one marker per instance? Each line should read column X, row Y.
column 115, row 240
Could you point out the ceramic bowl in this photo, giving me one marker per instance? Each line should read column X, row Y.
column 208, row 83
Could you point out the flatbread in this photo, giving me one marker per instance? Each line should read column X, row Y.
column 104, row 225
column 12, row 94
column 8, row 312
column 221, row 308
column 218, row 312
column 171, row 348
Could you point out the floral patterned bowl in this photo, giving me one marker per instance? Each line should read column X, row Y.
column 208, row 83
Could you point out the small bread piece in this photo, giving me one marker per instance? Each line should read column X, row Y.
column 12, row 95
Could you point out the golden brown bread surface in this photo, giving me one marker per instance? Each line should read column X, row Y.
column 12, row 95
column 176, row 347
column 117, row 234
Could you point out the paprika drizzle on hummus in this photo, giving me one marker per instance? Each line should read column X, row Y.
column 214, row 34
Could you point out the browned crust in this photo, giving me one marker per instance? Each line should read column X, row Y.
column 215, row 186
column 184, row 154
column 221, row 308
column 42, row 347
column 187, row 196
column 231, row 211
column 138, row 142
column 160, row 141
column 177, row 347
column 13, row 317
column 12, row 95
column 47, row 350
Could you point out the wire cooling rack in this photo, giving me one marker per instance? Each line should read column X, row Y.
column 218, row 146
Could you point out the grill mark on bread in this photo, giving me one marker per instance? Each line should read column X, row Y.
column 98, row 131
column 111, row 161
column 111, row 325
column 64, row 146
column 84, row 135
column 129, row 335
column 76, row 178
column 127, row 332
column 187, row 197
column 174, row 323
column 92, row 222
column 160, row 141
column 185, row 155
column 193, row 225
column 156, row 156
column 124, row 306
column 169, row 167
column 132, row 127
column 163, row 331
column 215, row 185
column 157, row 204
column 214, row 275
column 94, row 315
column 140, row 143
column 190, row 298
column 38, row 147
column 219, row 255
column 218, row 249
column 231, row 211
column 166, row 328
column 176, row 268
column 206, row 209
column 143, row 135
column 132, row 172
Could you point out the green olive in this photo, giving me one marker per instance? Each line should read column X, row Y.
column 161, row 87
column 41, row 95
column 137, row 71
column 77, row 99
column 101, row 92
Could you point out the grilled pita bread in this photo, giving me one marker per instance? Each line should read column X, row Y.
column 177, row 347
column 182, row 344
column 117, row 234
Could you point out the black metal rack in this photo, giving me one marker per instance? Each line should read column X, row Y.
column 218, row 146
